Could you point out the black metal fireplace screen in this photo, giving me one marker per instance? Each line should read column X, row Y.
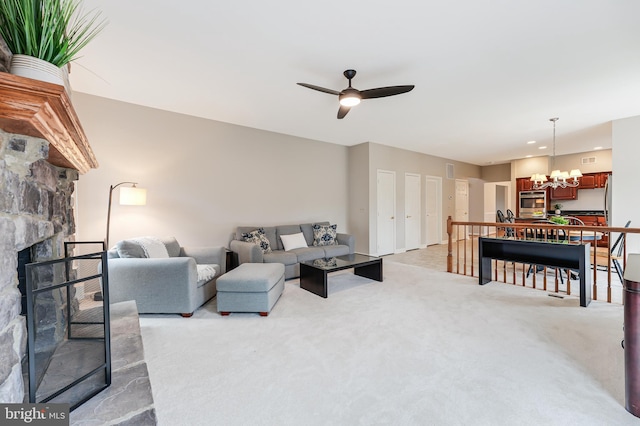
column 68, row 347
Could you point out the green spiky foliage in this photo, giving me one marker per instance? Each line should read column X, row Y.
column 51, row 30
column 559, row 220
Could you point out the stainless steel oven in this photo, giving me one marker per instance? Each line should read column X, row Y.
column 533, row 204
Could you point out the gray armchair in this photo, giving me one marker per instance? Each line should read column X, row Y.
column 179, row 283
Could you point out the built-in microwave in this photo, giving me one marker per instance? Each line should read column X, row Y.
column 533, row 204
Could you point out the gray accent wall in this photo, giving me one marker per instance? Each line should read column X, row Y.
column 496, row 172
column 359, row 190
column 374, row 157
column 203, row 177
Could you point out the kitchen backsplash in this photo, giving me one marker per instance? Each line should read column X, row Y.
column 588, row 199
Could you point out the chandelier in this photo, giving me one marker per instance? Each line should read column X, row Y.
column 559, row 179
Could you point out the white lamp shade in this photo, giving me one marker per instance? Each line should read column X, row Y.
column 556, row 174
column 632, row 267
column 575, row 173
column 133, row 196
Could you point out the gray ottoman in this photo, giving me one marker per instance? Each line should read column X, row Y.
column 251, row 287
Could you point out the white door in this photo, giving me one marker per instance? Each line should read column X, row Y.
column 412, row 211
column 433, row 209
column 462, row 205
column 386, row 212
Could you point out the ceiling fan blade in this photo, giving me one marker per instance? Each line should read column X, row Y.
column 381, row 92
column 319, row 89
column 343, row 111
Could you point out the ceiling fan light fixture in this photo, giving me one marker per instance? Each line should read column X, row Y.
column 349, row 98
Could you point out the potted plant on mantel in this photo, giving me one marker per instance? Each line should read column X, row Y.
column 45, row 35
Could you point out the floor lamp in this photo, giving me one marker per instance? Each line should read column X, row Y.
column 129, row 196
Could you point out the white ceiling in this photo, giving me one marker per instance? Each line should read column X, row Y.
column 488, row 74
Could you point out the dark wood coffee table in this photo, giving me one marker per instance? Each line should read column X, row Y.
column 313, row 273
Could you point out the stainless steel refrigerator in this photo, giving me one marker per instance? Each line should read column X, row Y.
column 607, row 200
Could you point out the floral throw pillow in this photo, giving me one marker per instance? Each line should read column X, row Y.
column 258, row 237
column 325, row 235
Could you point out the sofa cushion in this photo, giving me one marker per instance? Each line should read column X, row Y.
column 129, row 248
column 324, row 235
column 293, row 241
column 280, row 256
column 308, row 253
column 150, row 247
column 307, row 230
column 153, row 247
column 172, row 245
column 285, row 230
column 258, row 237
column 337, row 250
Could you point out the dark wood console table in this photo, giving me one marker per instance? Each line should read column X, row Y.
column 555, row 254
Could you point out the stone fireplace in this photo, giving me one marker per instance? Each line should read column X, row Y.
column 43, row 150
column 36, row 210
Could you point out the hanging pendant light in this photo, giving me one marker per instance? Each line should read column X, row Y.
column 559, row 179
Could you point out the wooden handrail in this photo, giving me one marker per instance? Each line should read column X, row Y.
column 579, row 233
column 524, row 225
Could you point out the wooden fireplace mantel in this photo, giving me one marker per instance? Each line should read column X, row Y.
column 39, row 109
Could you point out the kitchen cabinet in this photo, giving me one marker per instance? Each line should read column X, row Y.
column 524, row 184
column 589, row 181
column 568, row 193
column 602, row 180
column 593, row 180
column 590, row 220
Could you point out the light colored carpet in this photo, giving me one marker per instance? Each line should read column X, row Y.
column 421, row 348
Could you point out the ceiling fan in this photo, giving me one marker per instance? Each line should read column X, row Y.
column 351, row 96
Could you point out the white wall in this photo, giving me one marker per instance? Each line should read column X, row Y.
column 626, row 156
column 359, row 209
column 203, row 178
column 404, row 161
column 497, row 195
column 476, row 200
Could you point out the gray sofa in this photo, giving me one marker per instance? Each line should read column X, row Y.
column 246, row 252
column 179, row 283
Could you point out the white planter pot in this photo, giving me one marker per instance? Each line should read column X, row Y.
column 30, row 67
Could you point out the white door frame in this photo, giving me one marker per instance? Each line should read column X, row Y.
column 466, row 207
column 393, row 214
column 407, row 201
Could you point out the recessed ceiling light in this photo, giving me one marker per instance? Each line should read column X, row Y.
column 531, row 142
column 597, row 148
column 529, row 156
column 542, row 147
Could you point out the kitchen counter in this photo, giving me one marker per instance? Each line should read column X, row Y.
column 577, row 213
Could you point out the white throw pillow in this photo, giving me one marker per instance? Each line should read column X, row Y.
column 293, row 241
